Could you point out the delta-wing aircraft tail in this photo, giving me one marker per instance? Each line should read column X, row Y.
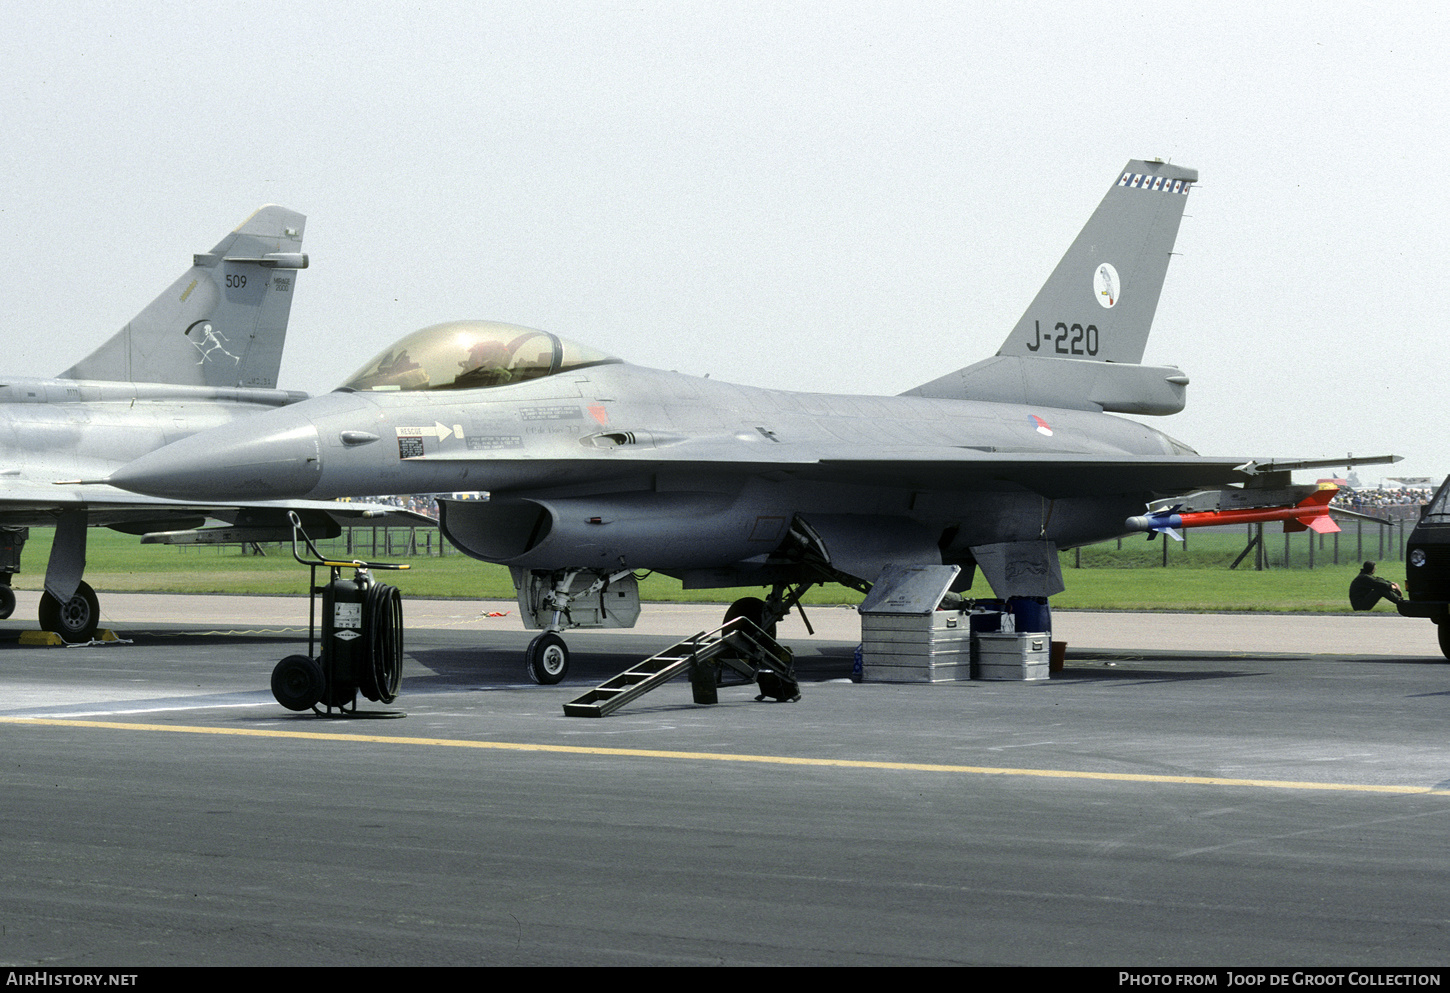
column 1080, row 342
column 221, row 324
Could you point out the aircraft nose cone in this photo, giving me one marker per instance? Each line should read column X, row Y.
column 250, row 460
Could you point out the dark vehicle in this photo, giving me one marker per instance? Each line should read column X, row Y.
column 1427, row 566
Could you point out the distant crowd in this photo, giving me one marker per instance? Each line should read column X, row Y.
column 425, row 505
column 1398, row 502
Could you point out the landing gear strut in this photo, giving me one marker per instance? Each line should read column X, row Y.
column 765, row 614
column 12, row 543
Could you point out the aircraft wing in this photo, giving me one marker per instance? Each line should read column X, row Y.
column 1052, row 475
column 1057, row 476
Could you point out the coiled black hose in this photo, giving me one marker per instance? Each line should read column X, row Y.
column 382, row 669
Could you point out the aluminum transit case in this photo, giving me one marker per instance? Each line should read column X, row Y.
column 1013, row 655
column 904, row 638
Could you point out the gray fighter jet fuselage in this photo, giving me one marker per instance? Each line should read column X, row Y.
column 598, row 468
column 658, row 446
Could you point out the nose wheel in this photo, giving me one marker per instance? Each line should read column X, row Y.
column 547, row 659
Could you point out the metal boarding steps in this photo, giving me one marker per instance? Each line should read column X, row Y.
column 738, row 644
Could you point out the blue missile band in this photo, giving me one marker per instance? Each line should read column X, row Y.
column 1155, row 522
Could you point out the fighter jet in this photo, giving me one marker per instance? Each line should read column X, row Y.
column 599, row 468
column 203, row 354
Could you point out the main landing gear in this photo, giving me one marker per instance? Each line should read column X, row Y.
column 754, row 609
column 75, row 620
column 765, row 614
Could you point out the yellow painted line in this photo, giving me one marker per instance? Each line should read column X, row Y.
column 649, row 753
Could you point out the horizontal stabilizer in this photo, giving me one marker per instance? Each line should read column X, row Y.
column 1069, row 383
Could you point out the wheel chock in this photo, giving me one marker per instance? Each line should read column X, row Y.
column 49, row 639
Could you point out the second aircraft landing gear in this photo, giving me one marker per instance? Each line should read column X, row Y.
column 75, row 620
column 12, row 543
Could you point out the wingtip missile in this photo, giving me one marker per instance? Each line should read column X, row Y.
column 1310, row 513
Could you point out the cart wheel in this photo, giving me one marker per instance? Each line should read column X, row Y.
column 297, row 682
column 7, row 601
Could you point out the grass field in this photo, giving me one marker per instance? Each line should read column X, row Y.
column 1133, row 578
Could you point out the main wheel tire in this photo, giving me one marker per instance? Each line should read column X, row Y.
column 1443, row 629
column 298, row 683
column 547, row 659
column 7, row 601
column 752, row 608
column 76, row 619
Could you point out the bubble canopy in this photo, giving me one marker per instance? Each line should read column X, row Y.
column 470, row 355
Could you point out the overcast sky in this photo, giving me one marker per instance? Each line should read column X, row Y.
column 834, row 196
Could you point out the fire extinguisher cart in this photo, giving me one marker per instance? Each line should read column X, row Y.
column 361, row 647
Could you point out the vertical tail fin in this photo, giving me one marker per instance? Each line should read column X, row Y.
column 1111, row 277
column 1096, row 308
column 221, row 324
